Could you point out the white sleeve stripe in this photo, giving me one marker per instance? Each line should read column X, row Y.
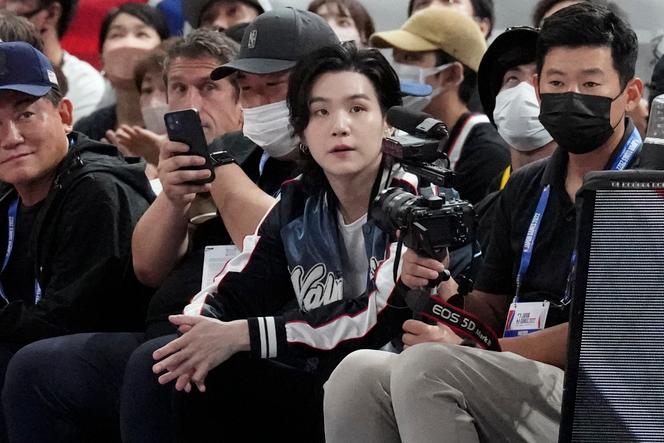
column 271, row 337
column 261, row 330
column 347, row 327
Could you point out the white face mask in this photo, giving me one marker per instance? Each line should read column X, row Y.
column 517, row 117
column 153, row 116
column 268, row 126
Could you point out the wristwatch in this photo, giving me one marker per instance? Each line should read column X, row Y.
column 220, row 158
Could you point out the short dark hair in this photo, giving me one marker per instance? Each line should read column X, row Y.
column 204, row 42
column 469, row 83
column 14, row 28
column 54, row 96
column 147, row 14
column 68, row 11
column 337, row 58
column 543, row 6
column 483, row 9
column 587, row 24
column 355, row 10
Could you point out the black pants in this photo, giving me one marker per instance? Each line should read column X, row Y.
column 67, row 388
column 245, row 400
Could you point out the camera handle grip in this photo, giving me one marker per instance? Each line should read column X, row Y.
column 444, row 275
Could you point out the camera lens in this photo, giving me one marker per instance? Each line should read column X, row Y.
column 391, row 207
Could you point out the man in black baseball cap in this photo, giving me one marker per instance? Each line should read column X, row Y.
column 68, row 207
column 270, row 48
column 222, row 14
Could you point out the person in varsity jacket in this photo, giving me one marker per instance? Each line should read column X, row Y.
column 315, row 282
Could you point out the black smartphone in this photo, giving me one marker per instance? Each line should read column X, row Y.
column 185, row 127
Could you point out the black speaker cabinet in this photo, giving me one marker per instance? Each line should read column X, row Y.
column 614, row 382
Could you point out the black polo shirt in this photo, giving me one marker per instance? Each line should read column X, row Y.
column 546, row 277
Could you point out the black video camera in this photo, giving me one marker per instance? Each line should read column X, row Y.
column 430, row 223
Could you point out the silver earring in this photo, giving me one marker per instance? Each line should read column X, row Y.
column 304, row 149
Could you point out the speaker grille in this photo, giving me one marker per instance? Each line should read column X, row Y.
column 620, row 385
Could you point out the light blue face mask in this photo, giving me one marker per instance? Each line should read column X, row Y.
column 416, row 74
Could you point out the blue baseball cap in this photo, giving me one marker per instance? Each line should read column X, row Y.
column 25, row 69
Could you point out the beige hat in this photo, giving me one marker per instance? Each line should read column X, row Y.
column 437, row 27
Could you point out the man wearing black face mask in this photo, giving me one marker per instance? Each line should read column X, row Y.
column 585, row 60
column 585, row 80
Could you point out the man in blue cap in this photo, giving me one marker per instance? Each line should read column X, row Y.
column 68, row 206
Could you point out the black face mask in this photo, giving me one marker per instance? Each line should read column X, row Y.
column 579, row 123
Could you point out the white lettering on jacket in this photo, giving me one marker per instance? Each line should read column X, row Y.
column 317, row 288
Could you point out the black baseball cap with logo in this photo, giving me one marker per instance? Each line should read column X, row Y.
column 276, row 39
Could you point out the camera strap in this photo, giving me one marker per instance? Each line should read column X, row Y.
column 461, row 322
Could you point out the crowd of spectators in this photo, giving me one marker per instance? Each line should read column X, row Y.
column 315, row 325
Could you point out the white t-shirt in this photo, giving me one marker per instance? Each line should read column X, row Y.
column 356, row 265
column 86, row 85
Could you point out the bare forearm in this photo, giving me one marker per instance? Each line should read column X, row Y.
column 547, row 346
column 159, row 241
column 241, row 203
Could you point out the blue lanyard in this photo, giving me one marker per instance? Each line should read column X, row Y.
column 627, row 153
column 531, row 235
column 11, row 238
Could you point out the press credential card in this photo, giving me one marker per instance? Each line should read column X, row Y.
column 215, row 259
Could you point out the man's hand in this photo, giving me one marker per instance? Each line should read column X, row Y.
column 174, row 179
column 204, row 345
column 416, row 332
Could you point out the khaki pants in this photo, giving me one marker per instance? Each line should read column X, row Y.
column 442, row 393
